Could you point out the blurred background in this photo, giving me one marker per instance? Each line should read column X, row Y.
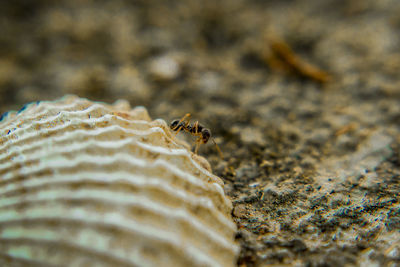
column 297, row 93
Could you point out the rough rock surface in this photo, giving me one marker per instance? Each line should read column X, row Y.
column 312, row 154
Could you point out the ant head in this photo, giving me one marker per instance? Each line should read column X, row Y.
column 205, row 135
column 174, row 124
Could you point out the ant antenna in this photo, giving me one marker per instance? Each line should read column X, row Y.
column 219, row 150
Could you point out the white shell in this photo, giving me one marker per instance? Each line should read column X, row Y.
column 89, row 184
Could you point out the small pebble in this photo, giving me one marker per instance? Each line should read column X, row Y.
column 164, row 68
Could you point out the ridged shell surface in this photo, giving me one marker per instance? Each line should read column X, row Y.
column 90, row 184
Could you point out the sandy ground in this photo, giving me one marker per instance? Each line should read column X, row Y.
column 303, row 98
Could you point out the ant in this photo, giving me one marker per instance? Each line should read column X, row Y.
column 195, row 129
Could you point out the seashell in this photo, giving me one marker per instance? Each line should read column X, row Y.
column 90, row 184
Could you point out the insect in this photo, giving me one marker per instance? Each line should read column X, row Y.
column 196, row 129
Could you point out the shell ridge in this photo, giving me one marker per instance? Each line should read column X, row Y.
column 125, row 176
column 36, row 105
column 120, row 158
column 6, row 259
column 71, row 246
column 186, row 176
column 35, row 135
column 58, row 113
column 63, row 158
column 170, row 214
column 65, row 102
column 65, row 136
column 37, row 121
column 206, row 204
column 37, row 117
column 202, row 260
column 142, row 230
column 101, row 144
column 62, row 161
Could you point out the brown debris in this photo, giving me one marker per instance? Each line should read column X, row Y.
column 345, row 129
column 282, row 57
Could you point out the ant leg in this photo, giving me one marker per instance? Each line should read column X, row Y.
column 195, row 132
column 196, row 127
column 177, row 131
column 198, row 140
column 178, row 128
column 187, row 116
column 219, row 150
